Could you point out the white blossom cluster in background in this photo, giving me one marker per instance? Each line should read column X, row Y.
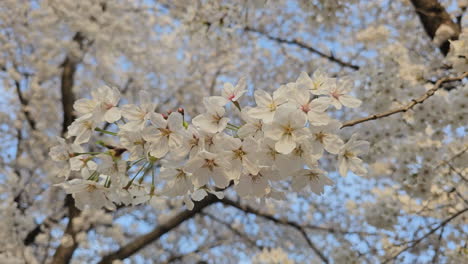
column 281, row 138
column 458, row 55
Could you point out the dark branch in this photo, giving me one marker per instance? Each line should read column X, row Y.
column 432, row 231
column 294, row 225
column 432, row 15
column 303, row 45
column 140, row 242
column 65, row 251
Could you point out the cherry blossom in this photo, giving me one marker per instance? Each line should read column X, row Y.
column 287, row 128
column 165, row 135
column 337, row 92
column 348, row 156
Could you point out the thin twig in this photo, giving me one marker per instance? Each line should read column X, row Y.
column 305, row 46
column 417, row 241
column 294, row 225
column 410, row 105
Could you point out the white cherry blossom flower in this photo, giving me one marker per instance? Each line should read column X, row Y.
column 138, row 115
column 324, row 137
column 133, row 142
column 255, row 185
column 241, row 155
column 230, row 93
column 252, row 127
column 267, row 105
column 313, row 177
column 179, row 181
column 206, row 165
column 192, row 142
column 88, row 193
column 313, row 109
column 317, row 84
column 64, row 151
column 287, row 129
column 82, row 128
column 166, row 136
column 103, row 106
column 338, row 96
column 348, row 156
column 213, row 120
column 80, row 162
column 302, row 154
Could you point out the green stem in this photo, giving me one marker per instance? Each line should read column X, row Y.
column 234, row 126
column 134, row 177
column 105, row 131
column 87, row 153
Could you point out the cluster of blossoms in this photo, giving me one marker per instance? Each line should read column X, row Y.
column 281, row 138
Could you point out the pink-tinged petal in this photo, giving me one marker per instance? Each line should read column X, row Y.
column 204, row 122
column 199, row 194
column 322, row 101
column 332, row 143
column 285, row 145
column 132, row 112
column 318, row 118
column 228, row 91
column 297, row 119
column 201, row 178
column 273, row 131
column 343, row 166
column 336, row 103
column 175, row 140
column 84, row 106
column 300, row 133
column 262, row 98
column 349, row 101
column 112, row 115
column 151, row 134
column 194, row 164
column 215, row 101
column 158, row 120
column 301, row 96
column 320, row 104
column 262, row 113
column 159, row 148
column 175, row 121
column 83, row 137
column 359, row 147
column 356, row 165
column 222, row 124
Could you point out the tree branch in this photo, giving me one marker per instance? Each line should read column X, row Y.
column 294, row 225
column 303, row 45
column 24, row 104
column 417, row 241
column 234, row 230
column 410, row 105
column 142, row 241
column 65, row 251
column 432, row 15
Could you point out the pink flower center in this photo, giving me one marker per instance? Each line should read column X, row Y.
column 336, row 95
column 230, row 97
column 305, row 108
column 108, row 106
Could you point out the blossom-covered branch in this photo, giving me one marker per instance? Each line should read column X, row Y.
column 163, row 155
